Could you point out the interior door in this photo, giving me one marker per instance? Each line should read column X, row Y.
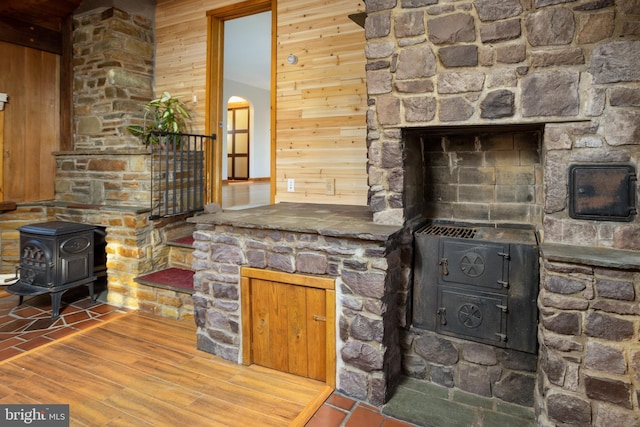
column 238, row 143
column 31, row 130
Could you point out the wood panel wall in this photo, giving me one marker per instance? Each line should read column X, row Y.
column 30, row 78
column 320, row 101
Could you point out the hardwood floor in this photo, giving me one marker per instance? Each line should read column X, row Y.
column 245, row 194
column 146, row 371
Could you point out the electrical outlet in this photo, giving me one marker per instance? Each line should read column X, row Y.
column 330, row 186
column 291, row 185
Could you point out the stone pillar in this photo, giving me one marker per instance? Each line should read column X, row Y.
column 589, row 363
column 113, row 53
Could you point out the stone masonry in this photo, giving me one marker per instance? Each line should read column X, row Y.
column 135, row 245
column 479, row 369
column 566, row 67
column 476, row 175
column 570, row 67
column 113, row 178
column 589, row 353
column 565, row 63
column 113, row 55
column 371, row 273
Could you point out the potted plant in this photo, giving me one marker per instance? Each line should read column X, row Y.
column 162, row 115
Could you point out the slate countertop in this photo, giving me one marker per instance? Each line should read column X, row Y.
column 344, row 221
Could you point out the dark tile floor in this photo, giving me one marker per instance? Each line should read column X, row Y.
column 28, row 326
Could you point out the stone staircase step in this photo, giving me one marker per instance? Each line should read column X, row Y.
column 173, row 278
column 183, row 242
column 181, row 252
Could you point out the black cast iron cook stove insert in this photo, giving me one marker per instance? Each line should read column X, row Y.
column 55, row 257
column 478, row 283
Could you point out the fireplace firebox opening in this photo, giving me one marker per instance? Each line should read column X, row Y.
column 485, row 174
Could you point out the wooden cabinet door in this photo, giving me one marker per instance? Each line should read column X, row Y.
column 288, row 328
column 288, row 323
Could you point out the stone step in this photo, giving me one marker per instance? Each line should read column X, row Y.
column 182, row 242
column 172, row 278
column 181, row 252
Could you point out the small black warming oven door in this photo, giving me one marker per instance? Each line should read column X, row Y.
column 477, row 283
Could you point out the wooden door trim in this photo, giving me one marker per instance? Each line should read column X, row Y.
column 289, row 278
column 215, row 67
column 327, row 284
column 330, row 358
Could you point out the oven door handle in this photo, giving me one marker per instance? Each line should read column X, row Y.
column 444, row 263
column 443, row 315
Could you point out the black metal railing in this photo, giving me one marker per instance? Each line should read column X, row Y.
column 178, row 173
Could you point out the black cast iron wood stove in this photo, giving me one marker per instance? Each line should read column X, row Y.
column 55, row 257
column 478, row 283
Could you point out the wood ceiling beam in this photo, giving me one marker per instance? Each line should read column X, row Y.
column 30, row 35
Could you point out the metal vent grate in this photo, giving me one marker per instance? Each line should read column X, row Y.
column 449, row 231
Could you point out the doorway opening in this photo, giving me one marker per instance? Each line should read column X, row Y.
column 240, row 87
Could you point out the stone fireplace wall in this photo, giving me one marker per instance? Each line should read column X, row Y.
column 569, row 66
column 564, row 63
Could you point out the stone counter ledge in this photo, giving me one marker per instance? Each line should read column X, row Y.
column 88, row 206
column 326, row 220
column 129, row 151
column 598, row 257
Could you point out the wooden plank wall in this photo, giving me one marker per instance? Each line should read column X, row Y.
column 31, row 122
column 181, row 52
column 320, row 101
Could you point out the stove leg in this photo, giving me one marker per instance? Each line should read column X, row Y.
column 56, row 297
column 20, row 300
column 93, row 297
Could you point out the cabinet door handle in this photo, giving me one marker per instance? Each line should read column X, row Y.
column 319, row 318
